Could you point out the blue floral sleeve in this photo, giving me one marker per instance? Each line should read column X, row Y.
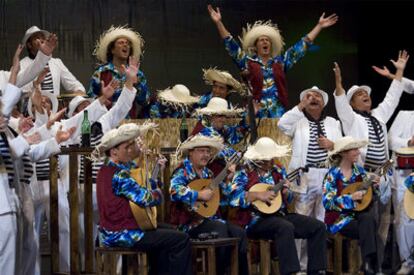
column 143, row 92
column 180, row 191
column 94, row 85
column 409, row 182
column 238, row 194
column 330, row 199
column 294, row 53
column 236, row 52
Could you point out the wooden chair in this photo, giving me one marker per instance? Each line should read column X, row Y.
column 107, row 259
column 335, row 255
column 266, row 265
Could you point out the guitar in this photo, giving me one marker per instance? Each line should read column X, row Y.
column 146, row 217
column 366, row 186
column 408, row 203
column 209, row 208
column 274, row 205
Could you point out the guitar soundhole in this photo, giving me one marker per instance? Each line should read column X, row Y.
column 268, row 204
column 205, row 204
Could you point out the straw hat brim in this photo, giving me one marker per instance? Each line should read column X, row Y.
column 252, row 32
column 168, row 97
column 114, row 33
column 213, row 75
column 354, row 144
column 214, row 143
column 53, row 99
column 277, row 151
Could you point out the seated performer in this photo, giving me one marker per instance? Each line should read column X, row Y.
column 339, row 215
column 116, row 188
column 198, row 151
column 281, row 227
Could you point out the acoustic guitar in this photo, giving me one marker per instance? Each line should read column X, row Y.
column 409, row 203
column 274, row 205
column 209, row 208
column 146, row 217
column 366, row 186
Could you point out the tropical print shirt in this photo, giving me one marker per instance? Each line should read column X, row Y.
column 270, row 104
column 143, row 93
column 180, row 192
column 124, row 185
column 238, row 192
column 409, row 182
column 340, row 203
column 159, row 110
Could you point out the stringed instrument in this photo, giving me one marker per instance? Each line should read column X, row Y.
column 209, row 208
column 366, row 186
column 274, row 205
column 146, row 217
column 409, row 203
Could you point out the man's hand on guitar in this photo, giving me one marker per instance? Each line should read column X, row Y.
column 375, row 179
column 205, row 194
column 267, row 196
column 286, row 186
column 358, row 195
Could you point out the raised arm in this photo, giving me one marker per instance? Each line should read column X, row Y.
column 324, row 22
column 215, row 15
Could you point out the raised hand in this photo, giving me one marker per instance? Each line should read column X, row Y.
column 33, row 138
column 108, row 91
column 62, row 136
column 3, row 123
column 384, row 72
column 41, row 77
column 306, row 100
column 25, row 124
column 14, row 70
column 214, row 14
column 48, row 46
column 131, row 72
column 55, row 117
column 339, row 89
column 325, row 22
column 401, row 61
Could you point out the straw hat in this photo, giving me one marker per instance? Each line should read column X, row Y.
column 53, row 99
column 218, row 106
column 122, row 134
column 212, row 75
column 113, row 33
column 347, row 143
column 177, row 95
column 252, row 32
column 75, row 102
column 32, row 30
column 266, row 148
column 355, row 88
column 315, row 89
column 215, row 143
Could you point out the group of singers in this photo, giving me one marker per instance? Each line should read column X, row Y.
column 326, row 156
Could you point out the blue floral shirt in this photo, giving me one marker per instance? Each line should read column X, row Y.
column 270, row 104
column 123, row 185
column 238, row 192
column 159, row 110
column 409, row 182
column 342, row 203
column 143, row 92
column 180, row 192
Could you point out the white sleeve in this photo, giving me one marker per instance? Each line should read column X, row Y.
column 119, row 111
column 287, row 123
column 345, row 113
column 43, row 150
column 33, row 70
column 68, row 80
column 387, row 107
column 394, row 134
column 408, row 85
column 18, row 146
column 14, row 123
column 11, row 96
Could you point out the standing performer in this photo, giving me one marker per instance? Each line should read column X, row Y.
column 281, row 227
column 116, row 188
column 313, row 135
column 112, row 50
column 261, row 56
column 339, row 216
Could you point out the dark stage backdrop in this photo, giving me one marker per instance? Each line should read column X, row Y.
column 180, row 38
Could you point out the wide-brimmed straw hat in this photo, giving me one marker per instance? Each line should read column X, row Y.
column 212, row 75
column 32, row 30
column 53, row 99
column 177, row 95
column 347, row 143
column 119, row 135
column 218, row 106
column 215, row 143
column 355, row 88
column 262, row 28
column 75, row 102
column 315, row 89
column 112, row 34
column 266, row 148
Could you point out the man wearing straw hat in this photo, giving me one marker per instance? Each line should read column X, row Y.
column 261, row 57
column 339, row 216
column 116, row 188
column 112, row 50
column 313, row 135
column 173, row 102
column 222, row 84
column 197, row 151
column 281, row 227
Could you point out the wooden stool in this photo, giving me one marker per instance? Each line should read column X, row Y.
column 265, row 265
column 107, row 258
column 209, row 246
column 354, row 255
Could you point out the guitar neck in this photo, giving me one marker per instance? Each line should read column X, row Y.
column 220, row 177
column 380, row 171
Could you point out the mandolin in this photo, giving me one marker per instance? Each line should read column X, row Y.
column 408, row 203
column 209, row 208
column 146, row 217
column 276, row 203
column 366, row 186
